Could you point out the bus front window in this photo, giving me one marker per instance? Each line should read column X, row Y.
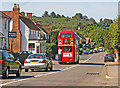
column 67, row 49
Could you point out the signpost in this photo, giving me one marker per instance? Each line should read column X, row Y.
column 12, row 34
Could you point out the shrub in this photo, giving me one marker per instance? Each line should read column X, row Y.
column 51, row 50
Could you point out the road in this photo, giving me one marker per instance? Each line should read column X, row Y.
column 89, row 72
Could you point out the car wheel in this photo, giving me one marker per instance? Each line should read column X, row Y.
column 32, row 70
column 19, row 72
column 26, row 70
column 6, row 74
column 46, row 69
column 51, row 68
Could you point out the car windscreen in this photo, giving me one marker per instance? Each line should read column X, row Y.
column 36, row 56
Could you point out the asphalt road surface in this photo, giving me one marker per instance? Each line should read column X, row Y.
column 89, row 72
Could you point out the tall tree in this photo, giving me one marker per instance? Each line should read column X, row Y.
column 53, row 15
column 45, row 14
column 78, row 15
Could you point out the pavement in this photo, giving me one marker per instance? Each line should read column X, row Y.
column 112, row 73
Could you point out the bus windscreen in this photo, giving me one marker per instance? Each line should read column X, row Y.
column 66, row 36
column 67, row 48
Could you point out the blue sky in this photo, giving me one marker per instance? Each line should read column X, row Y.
column 96, row 10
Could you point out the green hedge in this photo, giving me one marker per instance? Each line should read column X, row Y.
column 51, row 50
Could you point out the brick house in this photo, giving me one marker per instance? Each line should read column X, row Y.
column 28, row 34
column 82, row 39
column 4, row 29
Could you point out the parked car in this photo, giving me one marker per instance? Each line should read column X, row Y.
column 36, row 62
column 22, row 55
column 85, row 52
column 9, row 64
column 109, row 57
column 98, row 51
column 94, row 51
column 101, row 49
column 91, row 52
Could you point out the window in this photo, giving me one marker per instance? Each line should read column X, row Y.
column 66, row 35
column 31, row 46
column 37, row 56
column 30, row 32
column 67, row 48
column 5, row 55
column 38, row 33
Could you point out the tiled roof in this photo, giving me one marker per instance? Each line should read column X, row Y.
column 4, row 15
column 42, row 29
column 47, row 28
column 81, row 36
column 29, row 23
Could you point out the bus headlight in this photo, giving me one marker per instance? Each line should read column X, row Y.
column 72, row 41
column 60, row 41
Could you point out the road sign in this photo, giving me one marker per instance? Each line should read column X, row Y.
column 12, row 34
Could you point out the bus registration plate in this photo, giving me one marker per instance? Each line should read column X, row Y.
column 67, row 54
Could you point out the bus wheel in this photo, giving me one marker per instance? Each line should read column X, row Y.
column 60, row 63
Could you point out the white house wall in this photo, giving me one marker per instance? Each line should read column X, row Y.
column 11, row 25
column 25, row 36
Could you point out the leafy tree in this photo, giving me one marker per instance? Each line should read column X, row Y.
column 78, row 15
column 53, row 15
column 46, row 14
column 58, row 16
column 85, row 17
column 23, row 13
column 63, row 16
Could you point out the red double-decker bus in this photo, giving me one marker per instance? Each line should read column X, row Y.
column 68, row 47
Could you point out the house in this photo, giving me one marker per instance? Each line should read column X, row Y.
column 82, row 39
column 28, row 34
column 88, row 40
column 4, row 30
column 45, row 31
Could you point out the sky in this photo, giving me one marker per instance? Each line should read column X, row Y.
column 91, row 8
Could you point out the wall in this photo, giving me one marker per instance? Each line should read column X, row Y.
column 25, row 36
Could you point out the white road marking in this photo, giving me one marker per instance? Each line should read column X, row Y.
column 87, row 59
column 44, row 74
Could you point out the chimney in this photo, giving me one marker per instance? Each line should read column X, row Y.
column 39, row 22
column 16, row 44
column 29, row 15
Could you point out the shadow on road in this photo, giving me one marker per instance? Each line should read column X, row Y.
column 46, row 71
column 21, row 77
column 91, row 64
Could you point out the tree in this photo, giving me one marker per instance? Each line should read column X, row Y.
column 63, row 16
column 58, row 16
column 45, row 14
column 101, row 20
column 53, row 15
column 23, row 13
column 85, row 17
column 78, row 15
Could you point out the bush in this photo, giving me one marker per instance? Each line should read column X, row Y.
column 110, row 51
column 51, row 50
column 54, row 35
